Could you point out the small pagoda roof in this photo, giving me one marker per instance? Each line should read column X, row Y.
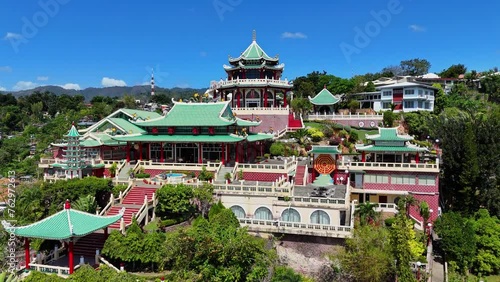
column 73, row 132
column 229, row 138
column 253, row 52
column 194, row 114
column 324, row 150
column 247, row 67
column 259, row 137
column 324, row 97
column 323, row 180
column 389, row 134
column 244, row 122
column 66, row 224
column 402, row 149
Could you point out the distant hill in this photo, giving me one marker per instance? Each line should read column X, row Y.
column 116, row 91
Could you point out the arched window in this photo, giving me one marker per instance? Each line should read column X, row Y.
column 290, row 215
column 320, row 217
column 263, row 213
column 238, row 211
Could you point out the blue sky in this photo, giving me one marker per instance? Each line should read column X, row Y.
column 91, row 43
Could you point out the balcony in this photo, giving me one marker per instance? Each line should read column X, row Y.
column 253, row 82
column 276, row 226
column 376, row 166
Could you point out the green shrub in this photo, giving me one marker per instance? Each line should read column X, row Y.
column 277, row 149
column 142, row 175
column 119, row 188
column 389, row 221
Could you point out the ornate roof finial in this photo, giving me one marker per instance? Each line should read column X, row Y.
column 67, row 205
column 254, row 35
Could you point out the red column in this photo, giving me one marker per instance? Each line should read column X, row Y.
column 238, row 99
column 284, row 99
column 313, row 176
column 162, row 159
column 222, row 154
column 70, row 258
column 363, row 156
column 417, row 158
column 140, row 151
column 200, row 153
column 106, row 233
column 237, row 152
column 27, row 252
column 265, row 97
column 261, row 149
column 274, row 102
column 128, row 152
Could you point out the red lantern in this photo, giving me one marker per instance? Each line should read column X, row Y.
column 171, row 130
column 154, row 130
column 195, row 131
column 211, row 130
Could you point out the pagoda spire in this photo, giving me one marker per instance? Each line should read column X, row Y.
column 254, row 35
column 152, row 82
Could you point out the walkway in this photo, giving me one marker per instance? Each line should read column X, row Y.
column 132, row 203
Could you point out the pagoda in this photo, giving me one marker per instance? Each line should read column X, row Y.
column 254, row 79
column 323, row 101
column 68, row 226
column 73, row 162
column 390, row 146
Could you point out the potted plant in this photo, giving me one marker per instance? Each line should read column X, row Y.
column 227, row 176
column 240, row 175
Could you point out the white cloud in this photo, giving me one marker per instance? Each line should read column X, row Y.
column 110, row 82
column 416, row 28
column 42, row 78
column 24, row 85
column 5, row 69
column 293, row 35
column 2, row 88
column 11, row 35
column 72, row 86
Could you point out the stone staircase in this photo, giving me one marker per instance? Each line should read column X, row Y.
column 86, row 246
column 123, row 175
column 222, row 172
column 299, row 175
column 132, row 203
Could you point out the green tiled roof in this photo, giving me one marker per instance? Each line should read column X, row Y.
column 181, row 138
column 324, row 150
column 402, row 149
column 89, row 142
column 193, row 114
column 127, row 126
column 259, row 137
column 63, row 225
column 73, row 132
column 323, row 180
column 324, row 97
column 389, row 134
column 242, row 122
column 106, row 139
column 140, row 114
column 254, row 51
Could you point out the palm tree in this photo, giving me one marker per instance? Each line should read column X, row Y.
column 86, row 204
column 405, row 203
column 301, row 136
column 366, row 212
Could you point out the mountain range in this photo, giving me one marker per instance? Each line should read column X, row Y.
column 116, row 91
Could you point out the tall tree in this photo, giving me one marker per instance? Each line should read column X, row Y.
column 415, row 67
column 453, row 71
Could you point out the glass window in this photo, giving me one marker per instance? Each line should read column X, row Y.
column 420, row 91
column 387, row 93
column 238, row 211
column 263, row 213
column 427, row 180
column 290, row 215
column 320, row 217
column 403, row 179
column 409, row 104
column 376, row 178
column 409, row 92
